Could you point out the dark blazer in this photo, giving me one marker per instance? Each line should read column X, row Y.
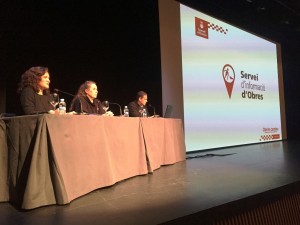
column 82, row 104
column 135, row 109
column 33, row 103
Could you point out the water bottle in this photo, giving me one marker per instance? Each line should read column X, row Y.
column 126, row 111
column 144, row 113
column 62, row 107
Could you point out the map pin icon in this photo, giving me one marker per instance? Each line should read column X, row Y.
column 229, row 77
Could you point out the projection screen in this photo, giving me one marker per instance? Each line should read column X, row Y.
column 225, row 83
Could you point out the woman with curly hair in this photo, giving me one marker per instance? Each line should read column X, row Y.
column 86, row 101
column 34, row 91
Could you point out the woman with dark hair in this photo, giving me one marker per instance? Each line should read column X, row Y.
column 34, row 91
column 86, row 102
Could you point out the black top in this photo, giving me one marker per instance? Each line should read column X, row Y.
column 82, row 104
column 135, row 109
column 33, row 103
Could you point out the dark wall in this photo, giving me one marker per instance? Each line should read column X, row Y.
column 116, row 44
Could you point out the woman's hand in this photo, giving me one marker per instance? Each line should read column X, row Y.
column 108, row 113
column 72, row 113
column 56, row 111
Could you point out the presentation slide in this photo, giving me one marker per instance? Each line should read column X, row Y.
column 230, row 84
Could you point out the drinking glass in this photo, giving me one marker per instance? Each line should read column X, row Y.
column 54, row 100
column 105, row 105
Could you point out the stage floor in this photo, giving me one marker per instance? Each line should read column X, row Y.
column 210, row 179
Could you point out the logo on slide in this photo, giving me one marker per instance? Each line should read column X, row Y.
column 228, row 77
column 217, row 28
column 202, row 26
column 269, row 137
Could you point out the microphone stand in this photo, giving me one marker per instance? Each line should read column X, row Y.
column 153, row 109
column 113, row 103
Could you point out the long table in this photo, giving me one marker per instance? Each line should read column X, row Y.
column 53, row 159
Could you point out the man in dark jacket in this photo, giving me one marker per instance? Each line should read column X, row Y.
column 138, row 107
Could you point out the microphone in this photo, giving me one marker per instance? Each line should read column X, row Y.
column 67, row 93
column 56, row 90
column 113, row 103
column 153, row 109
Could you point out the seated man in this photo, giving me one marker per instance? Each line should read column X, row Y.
column 137, row 107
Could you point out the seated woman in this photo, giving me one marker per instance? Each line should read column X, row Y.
column 86, row 101
column 34, row 91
